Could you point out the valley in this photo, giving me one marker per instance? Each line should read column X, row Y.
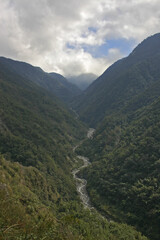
column 81, row 165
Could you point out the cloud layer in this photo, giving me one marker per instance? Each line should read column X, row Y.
column 65, row 36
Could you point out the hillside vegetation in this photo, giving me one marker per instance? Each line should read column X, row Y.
column 124, row 80
column 124, row 178
column 38, row 198
column 52, row 82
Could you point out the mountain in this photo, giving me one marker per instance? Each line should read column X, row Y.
column 37, row 191
column 53, row 82
column 121, row 82
column 83, row 80
column 72, row 88
column 123, row 179
column 34, row 124
column 36, row 140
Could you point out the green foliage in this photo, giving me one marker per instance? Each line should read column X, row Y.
column 35, row 130
column 125, row 151
column 24, row 216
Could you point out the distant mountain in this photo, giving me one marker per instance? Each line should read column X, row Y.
column 83, row 80
column 72, row 88
column 121, row 82
column 54, row 83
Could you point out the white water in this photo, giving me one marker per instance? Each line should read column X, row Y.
column 80, row 182
column 90, row 133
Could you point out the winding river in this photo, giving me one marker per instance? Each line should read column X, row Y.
column 80, row 182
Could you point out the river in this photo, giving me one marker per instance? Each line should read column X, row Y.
column 80, row 182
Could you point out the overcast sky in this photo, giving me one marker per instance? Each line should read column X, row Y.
column 75, row 36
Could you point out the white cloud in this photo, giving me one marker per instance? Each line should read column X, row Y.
column 39, row 31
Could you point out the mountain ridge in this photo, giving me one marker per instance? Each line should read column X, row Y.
column 64, row 90
column 100, row 96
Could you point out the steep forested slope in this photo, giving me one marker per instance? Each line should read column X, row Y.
column 121, row 82
column 55, row 83
column 124, row 179
column 35, row 130
column 126, row 174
